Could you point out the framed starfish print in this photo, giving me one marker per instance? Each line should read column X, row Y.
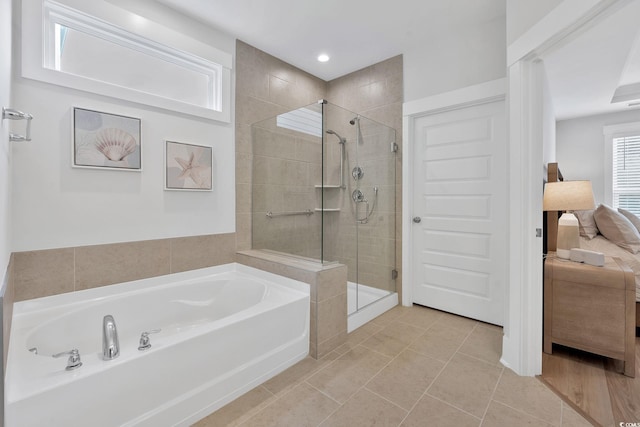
column 187, row 166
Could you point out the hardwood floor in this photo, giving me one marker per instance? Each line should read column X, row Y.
column 594, row 385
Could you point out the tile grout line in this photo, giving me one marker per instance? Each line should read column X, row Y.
column 255, row 410
column 493, row 394
column 361, row 387
column 425, row 392
column 277, row 399
column 364, row 386
column 384, row 398
column 527, row 413
column 453, row 406
column 470, row 356
column 323, row 393
column 289, row 390
column 391, row 361
column 452, row 356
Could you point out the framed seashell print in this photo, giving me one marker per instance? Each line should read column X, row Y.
column 187, row 166
column 106, row 141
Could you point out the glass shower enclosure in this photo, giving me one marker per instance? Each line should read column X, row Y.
column 324, row 189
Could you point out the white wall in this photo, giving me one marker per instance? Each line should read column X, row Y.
column 522, row 15
column 580, row 147
column 5, row 148
column 55, row 205
column 464, row 57
column 549, row 142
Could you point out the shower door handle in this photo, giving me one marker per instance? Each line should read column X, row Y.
column 417, row 219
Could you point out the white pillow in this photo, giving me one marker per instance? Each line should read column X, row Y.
column 631, row 217
column 588, row 227
column 617, row 228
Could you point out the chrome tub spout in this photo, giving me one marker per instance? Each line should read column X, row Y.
column 110, row 344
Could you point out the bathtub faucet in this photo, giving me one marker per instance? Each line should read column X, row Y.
column 110, row 344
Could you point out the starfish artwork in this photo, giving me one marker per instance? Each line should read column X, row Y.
column 191, row 169
column 194, row 168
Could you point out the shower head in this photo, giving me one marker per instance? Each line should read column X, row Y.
column 332, row 132
column 354, row 120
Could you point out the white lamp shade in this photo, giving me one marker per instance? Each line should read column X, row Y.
column 568, row 196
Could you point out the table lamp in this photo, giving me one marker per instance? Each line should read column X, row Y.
column 568, row 196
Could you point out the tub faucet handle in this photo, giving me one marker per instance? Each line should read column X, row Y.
column 145, row 342
column 74, row 359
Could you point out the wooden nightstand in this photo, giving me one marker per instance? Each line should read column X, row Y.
column 591, row 308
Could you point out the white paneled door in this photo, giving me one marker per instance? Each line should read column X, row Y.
column 460, row 211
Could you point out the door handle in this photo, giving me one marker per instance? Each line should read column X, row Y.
column 417, row 219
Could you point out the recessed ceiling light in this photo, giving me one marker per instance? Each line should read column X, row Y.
column 323, row 57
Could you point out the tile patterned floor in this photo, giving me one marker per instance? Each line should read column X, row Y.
column 412, row 366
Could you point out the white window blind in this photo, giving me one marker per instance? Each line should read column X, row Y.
column 626, row 173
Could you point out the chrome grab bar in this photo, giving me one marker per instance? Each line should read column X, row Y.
column 307, row 212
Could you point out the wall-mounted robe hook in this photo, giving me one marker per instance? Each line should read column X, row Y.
column 11, row 114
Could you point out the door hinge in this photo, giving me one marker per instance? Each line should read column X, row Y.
column 394, row 147
column 394, row 274
column 538, row 232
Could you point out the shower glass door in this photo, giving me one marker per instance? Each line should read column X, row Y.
column 323, row 187
column 359, row 203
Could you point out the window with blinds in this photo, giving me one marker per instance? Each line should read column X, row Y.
column 626, row 173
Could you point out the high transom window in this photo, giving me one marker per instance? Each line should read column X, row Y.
column 86, row 51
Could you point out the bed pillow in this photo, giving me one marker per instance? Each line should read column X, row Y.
column 588, row 227
column 617, row 228
column 631, row 217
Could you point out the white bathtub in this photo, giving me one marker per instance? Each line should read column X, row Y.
column 225, row 330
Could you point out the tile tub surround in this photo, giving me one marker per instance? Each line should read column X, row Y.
column 441, row 371
column 55, row 271
column 328, row 283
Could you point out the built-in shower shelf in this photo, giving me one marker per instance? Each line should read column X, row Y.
column 328, row 186
column 328, row 210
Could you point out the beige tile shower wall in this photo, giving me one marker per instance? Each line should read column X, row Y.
column 375, row 92
column 287, row 166
column 55, row 271
column 266, row 87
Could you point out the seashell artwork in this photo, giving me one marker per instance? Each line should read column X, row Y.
column 115, row 144
column 103, row 140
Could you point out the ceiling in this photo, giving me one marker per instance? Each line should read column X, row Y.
column 354, row 33
column 597, row 66
column 585, row 73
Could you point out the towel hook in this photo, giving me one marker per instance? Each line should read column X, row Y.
column 11, row 114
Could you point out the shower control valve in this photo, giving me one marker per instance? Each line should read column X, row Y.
column 357, row 173
column 358, row 196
